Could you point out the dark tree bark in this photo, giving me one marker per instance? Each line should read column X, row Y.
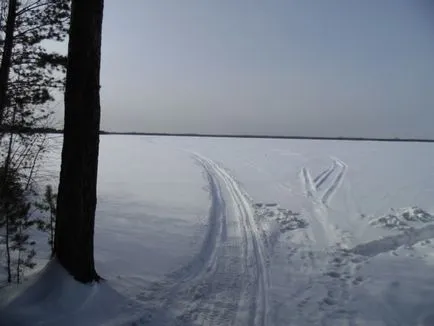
column 7, row 55
column 76, row 200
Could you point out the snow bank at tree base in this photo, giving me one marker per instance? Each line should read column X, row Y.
column 53, row 297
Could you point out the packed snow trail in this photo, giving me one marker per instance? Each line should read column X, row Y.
column 227, row 282
column 253, row 304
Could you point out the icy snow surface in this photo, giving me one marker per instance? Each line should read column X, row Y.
column 196, row 231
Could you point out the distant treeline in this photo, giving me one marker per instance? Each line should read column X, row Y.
column 396, row 139
column 103, row 132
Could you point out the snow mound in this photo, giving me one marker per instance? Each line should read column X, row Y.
column 53, row 297
column 403, row 218
column 287, row 219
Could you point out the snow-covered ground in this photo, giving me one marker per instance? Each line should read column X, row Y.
column 196, row 231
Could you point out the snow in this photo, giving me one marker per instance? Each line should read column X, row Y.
column 54, row 298
column 402, row 218
column 197, row 231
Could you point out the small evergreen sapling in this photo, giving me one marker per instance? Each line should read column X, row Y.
column 21, row 244
column 48, row 224
column 16, row 221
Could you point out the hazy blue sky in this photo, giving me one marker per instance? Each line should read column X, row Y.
column 278, row 67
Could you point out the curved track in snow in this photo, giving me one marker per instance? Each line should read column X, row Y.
column 227, row 282
column 252, row 305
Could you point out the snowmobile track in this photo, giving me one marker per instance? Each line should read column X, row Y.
column 253, row 303
column 227, row 281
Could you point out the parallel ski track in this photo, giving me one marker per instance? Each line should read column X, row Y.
column 312, row 188
column 335, row 184
column 322, row 177
column 340, row 265
column 309, row 187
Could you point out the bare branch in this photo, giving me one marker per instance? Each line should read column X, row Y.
column 35, row 5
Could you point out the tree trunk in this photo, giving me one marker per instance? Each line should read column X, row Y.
column 6, row 204
column 76, row 202
column 7, row 56
column 8, row 249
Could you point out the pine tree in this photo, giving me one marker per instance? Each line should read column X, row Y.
column 7, row 55
column 33, row 73
column 76, row 201
column 29, row 76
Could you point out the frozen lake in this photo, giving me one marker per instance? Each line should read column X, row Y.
column 207, row 231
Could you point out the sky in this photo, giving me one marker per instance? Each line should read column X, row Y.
column 275, row 67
